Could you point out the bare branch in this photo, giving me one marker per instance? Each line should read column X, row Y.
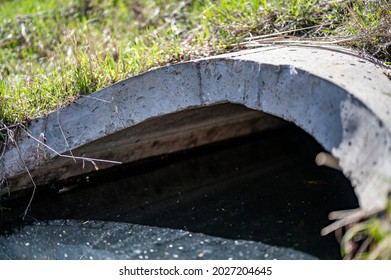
column 11, row 136
column 66, row 156
column 99, row 99
column 63, row 135
column 349, row 217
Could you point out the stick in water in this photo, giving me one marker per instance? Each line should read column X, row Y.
column 325, row 159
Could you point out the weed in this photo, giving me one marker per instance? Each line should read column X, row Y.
column 53, row 52
column 370, row 23
column 370, row 238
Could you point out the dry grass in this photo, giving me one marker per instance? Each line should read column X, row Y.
column 52, row 52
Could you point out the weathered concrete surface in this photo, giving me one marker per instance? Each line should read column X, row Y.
column 75, row 240
column 342, row 100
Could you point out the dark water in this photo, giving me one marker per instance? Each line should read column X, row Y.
column 264, row 187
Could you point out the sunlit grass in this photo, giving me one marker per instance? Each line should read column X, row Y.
column 370, row 238
column 54, row 51
column 11, row 10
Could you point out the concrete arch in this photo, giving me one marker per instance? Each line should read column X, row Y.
column 340, row 99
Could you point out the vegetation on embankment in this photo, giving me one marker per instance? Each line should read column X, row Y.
column 52, row 52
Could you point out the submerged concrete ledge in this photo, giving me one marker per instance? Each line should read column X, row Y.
column 342, row 100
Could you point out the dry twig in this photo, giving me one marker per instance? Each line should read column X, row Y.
column 11, row 137
column 92, row 160
column 346, row 217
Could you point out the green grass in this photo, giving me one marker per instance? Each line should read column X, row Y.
column 369, row 238
column 54, row 51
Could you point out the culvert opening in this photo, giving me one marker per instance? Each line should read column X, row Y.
column 263, row 187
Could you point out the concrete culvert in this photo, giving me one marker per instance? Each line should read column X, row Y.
column 338, row 98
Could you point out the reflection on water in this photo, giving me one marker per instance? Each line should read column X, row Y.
column 265, row 187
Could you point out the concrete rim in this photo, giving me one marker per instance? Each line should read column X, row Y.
column 340, row 99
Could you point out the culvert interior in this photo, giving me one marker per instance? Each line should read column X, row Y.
column 263, row 187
